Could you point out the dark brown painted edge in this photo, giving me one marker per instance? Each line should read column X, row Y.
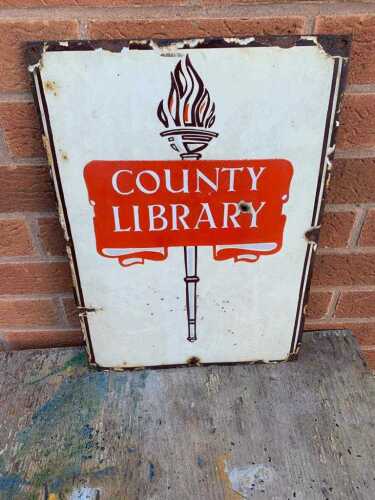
column 97, row 368
column 333, row 45
column 77, row 290
column 304, row 297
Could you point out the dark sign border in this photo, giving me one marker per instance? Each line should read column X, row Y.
column 335, row 46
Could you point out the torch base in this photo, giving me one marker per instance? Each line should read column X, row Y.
column 189, row 142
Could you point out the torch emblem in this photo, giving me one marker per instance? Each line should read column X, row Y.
column 187, row 115
column 188, row 112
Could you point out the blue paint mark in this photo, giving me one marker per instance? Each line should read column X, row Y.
column 10, row 484
column 151, row 471
column 87, row 431
column 56, row 484
column 107, row 471
column 200, row 461
column 75, row 399
column 133, row 383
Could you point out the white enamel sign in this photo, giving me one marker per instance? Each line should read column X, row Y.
column 188, row 174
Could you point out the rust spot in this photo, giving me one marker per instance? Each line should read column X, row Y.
column 87, row 309
column 64, row 156
column 110, row 45
column 120, row 368
column 193, row 361
column 284, row 42
column 293, row 356
column 312, row 234
column 47, row 148
column 335, row 45
column 171, row 54
column 51, row 86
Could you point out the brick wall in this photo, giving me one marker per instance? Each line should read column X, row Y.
column 36, row 302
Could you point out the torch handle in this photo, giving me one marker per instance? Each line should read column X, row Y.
column 191, row 279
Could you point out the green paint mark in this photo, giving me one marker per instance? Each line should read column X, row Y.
column 79, row 360
column 62, row 435
column 72, row 365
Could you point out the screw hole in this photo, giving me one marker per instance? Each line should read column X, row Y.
column 244, row 207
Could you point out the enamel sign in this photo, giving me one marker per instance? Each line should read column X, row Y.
column 190, row 178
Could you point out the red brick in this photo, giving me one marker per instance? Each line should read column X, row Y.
column 51, row 235
column 15, row 238
column 362, row 29
column 35, row 277
column 115, row 3
column 26, row 189
column 71, row 312
column 367, row 236
column 364, row 332
column 356, row 305
column 13, row 341
column 196, row 27
column 21, row 129
column 357, row 122
column 353, row 181
column 336, row 228
column 337, row 270
column 77, row 3
column 26, row 313
column 318, row 304
column 121, row 3
column 14, row 33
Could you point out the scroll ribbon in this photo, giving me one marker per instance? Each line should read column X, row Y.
column 142, row 208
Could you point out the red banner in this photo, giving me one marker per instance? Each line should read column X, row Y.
column 144, row 207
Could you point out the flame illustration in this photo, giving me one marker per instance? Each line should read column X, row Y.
column 189, row 103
